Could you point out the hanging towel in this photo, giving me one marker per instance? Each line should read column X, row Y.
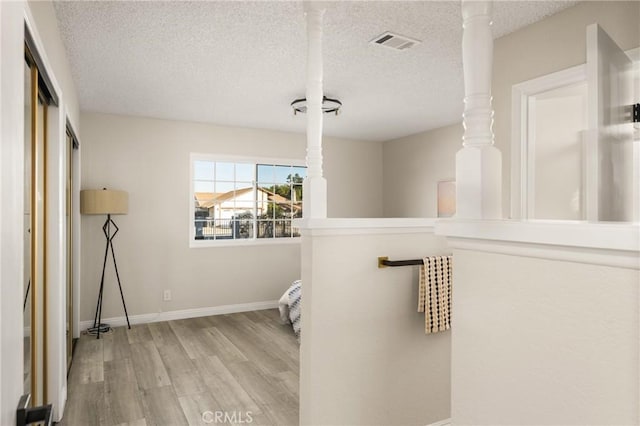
column 434, row 293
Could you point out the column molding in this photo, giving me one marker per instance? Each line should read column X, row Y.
column 479, row 162
column 315, row 185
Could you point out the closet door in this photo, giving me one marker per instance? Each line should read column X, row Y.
column 69, row 219
column 27, row 230
column 35, row 233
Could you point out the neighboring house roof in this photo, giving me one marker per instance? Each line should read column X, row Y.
column 205, row 199
column 208, row 200
column 221, row 198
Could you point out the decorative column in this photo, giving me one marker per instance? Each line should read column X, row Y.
column 314, row 203
column 479, row 162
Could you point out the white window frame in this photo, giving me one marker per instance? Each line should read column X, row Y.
column 193, row 157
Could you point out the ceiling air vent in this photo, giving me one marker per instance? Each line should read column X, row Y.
column 395, row 41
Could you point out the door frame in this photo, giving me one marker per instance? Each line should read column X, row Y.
column 522, row 140
column 72, row 213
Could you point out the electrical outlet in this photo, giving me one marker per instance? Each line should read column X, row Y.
column 166, row 295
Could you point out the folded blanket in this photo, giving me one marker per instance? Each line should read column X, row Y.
column 283, row 307
column 290, row 305
column 295, row 304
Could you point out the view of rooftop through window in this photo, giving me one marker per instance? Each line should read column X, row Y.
column 241, row 200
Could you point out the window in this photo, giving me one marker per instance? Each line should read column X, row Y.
column 246, row 200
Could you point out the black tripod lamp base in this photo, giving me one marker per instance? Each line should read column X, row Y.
column 96, row 330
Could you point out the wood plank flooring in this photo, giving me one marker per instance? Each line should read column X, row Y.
column 170, row 373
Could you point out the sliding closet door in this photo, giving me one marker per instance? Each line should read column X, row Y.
column 36, row 232
column 69, row 219
column 27, row 229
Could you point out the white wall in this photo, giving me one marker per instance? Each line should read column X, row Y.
column 553, row 44
column 150, row 159
column 365, row 359
column 544, row 342
column 413, row 165
column 353, row 170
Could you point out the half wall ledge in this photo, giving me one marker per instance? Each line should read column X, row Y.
column 354, row 226
column 607, row 244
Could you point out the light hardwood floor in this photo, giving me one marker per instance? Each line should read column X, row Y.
column 170, row 373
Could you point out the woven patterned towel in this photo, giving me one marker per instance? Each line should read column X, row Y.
column 434, row 293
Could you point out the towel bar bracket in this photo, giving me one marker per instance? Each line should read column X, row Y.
column 383, row 262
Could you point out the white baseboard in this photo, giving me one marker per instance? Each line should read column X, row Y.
column 445, row 422
column 184, row 313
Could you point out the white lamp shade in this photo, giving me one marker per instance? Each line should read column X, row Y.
column 103, row 201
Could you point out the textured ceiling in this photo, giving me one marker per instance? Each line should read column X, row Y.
column 242, row 63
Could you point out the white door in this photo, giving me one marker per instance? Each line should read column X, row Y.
column 612, row 192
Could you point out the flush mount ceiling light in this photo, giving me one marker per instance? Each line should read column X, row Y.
column 328, row 105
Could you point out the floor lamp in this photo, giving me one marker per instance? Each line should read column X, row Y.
column 105, row 202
